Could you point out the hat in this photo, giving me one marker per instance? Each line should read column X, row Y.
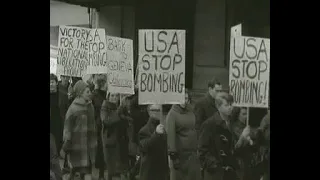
column 79, row 87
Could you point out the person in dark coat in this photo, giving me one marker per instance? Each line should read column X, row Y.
column 265, row 145
column 246, row 146
column 216, row 142
column 98, row 96
column 153, row 148
column 55, row 169
column 182, row 142
column 114, row 135
column 140, row 117
column 56, row 123
column 80, row 134
column 205, row 107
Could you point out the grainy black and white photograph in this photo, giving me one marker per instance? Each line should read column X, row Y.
column 159, row 89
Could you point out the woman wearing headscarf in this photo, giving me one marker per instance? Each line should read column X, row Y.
column 182, row 142
column 114, row 135
column 98, row 96
column 80, row 134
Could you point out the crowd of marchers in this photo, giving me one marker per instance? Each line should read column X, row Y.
column 204, row 140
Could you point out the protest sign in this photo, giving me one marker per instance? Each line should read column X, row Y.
column 120, row 65
column 161, row 64
column 53, row 65
column 97, row 63
column 78, row 48
column 249, row 70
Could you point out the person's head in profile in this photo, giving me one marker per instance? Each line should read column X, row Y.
column 82, row 91
column 53, row 83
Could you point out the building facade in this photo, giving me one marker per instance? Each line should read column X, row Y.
column 207, row 23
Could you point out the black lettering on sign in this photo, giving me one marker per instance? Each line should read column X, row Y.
column 248, row 92
column 263, row 49
column 157, row 81
column 72, row 32
column 234, row 66
column 262, row 68
column 121, row 66
column 66, row 42
column 152, row 42
column 149, row 42
column 252, row 76
column 145, row 62
column 116, row 81
column 174, row 42
column 143, row 84
column 165, row 61
column 176, row 61
column 149, row 83
column 156, row 61
column 234, row 49
column 252, row 46
column 162, row 82
column 162, row 41
column 250, row 69
column 96, row 35
column 163, row 64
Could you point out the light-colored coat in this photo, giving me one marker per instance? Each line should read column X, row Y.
column 80, row 129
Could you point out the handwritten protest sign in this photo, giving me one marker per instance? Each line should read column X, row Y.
column 161, row 65
column 53, row 65
column 249, row 70
column 78, row 48
column 120, row 65
column 97, row 63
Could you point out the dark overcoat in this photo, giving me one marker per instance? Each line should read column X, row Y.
column 204, row 109
column 154, row 154
column 216, row 149
column 98, row 96
column 115, row 140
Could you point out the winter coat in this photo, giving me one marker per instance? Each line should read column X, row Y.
column 56, row 123
column 204, row 109
column 80, row 130
column 182, row 143
column 139, row 115
column 249, row 156
column 54, row 159
column 114, row 138
column 98, row 96
column 265, row 128
column 216, row 149
column 154, row 154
